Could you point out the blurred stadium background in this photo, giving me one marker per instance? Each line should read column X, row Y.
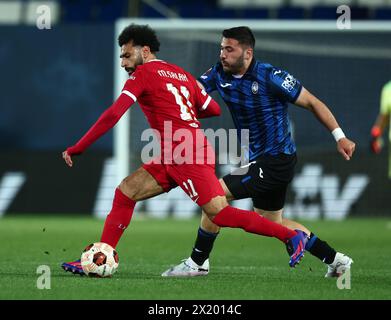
column 56, row 82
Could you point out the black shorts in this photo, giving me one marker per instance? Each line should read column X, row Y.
column 265, row 182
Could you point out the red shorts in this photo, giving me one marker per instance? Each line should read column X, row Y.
column 199, row 181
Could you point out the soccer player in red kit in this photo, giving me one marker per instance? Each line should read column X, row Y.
column 172, row 101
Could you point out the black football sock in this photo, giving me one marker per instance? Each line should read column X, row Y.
column 203, row 246
column 320, row 249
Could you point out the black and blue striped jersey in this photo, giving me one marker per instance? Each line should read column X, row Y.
column 258, row 101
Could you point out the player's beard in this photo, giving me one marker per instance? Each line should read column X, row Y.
column 138, row 61
column 235, row 67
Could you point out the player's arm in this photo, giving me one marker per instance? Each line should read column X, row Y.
column 132, row 89
column 377, row 130
column 105, row 122
column 322, row 112
column 382, row 121
column 207, row 83
column 209, row 108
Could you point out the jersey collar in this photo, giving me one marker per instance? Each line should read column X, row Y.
column 154, row 60
column 251, row 68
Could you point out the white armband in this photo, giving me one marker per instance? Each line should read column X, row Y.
column 338, row 134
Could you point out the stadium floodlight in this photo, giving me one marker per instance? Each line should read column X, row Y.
column 194, row 45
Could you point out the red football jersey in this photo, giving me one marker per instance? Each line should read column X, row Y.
column 170, row 98
column 166, row 92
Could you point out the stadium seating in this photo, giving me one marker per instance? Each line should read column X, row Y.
column 250, row 3
column 372, row 3
column 382, row 13
column 291, row 13
column 79, row 11
column 93, row 10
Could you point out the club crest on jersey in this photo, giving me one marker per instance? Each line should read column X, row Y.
column 254, row 87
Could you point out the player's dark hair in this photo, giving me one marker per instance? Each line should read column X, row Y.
column 139, row 35
column 243, row 34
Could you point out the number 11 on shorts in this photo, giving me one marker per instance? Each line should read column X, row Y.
column 190, row 189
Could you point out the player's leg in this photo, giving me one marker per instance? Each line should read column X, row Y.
column 138, row 186
column 146, row 182
column 337, row 262
column 276, row 216
column 207, row 234
column 198, row 262
column 224, row 215
column 201, row 184
column 266, row 176
column 220, row 213
column 208, row 231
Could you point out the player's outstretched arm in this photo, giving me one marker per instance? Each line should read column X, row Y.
column 377, row 130
column 106, row 121
column 307, row 100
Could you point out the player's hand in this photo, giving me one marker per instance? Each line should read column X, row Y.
column 376, row 145
column 67, row 158
column 346, row 148
column 377, row 141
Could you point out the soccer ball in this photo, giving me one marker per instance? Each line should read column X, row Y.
column 99, row 259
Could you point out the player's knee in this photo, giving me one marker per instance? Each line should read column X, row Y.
column 129, row 189
column 275, row 217
column 214, row 206
column 208, row 225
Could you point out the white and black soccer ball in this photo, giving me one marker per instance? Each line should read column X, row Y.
column 99, row 259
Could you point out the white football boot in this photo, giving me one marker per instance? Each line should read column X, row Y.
column 339, row 266
column 187, row 268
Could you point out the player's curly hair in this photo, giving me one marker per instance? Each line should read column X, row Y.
column 139, row 35
column 243, row 34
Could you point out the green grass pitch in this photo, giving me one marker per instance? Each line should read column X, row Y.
column 243, row 266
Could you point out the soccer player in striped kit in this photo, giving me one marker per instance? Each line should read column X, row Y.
column 257, row 95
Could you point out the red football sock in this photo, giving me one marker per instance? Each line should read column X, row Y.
column 118, row 219
column 252, row 222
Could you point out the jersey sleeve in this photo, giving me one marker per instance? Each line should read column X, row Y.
column 284, row 85
column 134, row 86
column 132, row 89
column 207, row 106
column 385, row 99
column 208, row 79
column 204, row 105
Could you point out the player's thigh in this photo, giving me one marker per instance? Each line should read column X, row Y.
column 267, row 184
column 200, row 183
column 140, row 185
column 233, row 187
column 228, row 193
column 272, row 215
